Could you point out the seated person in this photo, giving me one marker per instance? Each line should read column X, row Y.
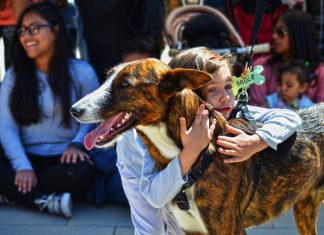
column 294, row 37
column 107, row 186
column 44, row 161
column 293, row 82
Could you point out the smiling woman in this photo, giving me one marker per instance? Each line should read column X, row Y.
column 293, row 38
column 44, row 163
column 37, row 37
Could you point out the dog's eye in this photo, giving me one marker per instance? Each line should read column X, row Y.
column 124, row 84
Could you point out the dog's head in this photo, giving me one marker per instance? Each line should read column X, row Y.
column 135, row 93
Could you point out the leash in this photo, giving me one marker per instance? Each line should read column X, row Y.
column 241, row 105
column 194, row 175
column 243, row 96
column 253, row 77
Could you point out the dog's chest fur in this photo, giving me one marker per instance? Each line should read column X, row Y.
column 158, row 136
column 163, row 149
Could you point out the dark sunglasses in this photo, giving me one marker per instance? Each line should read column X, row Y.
column 281, row 32
column 32, row 29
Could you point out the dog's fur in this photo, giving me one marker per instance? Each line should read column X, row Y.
column 156, row 96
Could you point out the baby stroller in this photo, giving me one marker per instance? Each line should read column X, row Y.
column 199, row 25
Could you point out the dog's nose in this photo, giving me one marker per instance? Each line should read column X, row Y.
column 76, row 112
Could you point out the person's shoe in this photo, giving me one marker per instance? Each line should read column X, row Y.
column 4, row 200
column 56, row 204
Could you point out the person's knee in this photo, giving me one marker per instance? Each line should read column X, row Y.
column 63, row 177
column 82, row 171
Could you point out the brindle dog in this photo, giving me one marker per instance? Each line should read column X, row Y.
column 150, row 96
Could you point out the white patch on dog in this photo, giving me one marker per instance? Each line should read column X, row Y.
column 92, row 103
column 192, row 221
column 159, row 137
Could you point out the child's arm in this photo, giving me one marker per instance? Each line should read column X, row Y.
column 241, row 147
column 278, row 125
column 160, row 187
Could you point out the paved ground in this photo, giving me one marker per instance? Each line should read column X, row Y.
column 109, row 220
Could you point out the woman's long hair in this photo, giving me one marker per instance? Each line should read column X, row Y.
column 302, row 38
column 24, row 99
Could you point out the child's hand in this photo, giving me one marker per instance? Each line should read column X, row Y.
column 196, row 138
column 241, row 147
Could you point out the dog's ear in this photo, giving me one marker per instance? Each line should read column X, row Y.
column 175, row 80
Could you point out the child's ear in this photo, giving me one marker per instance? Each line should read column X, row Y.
column 175, row 80
column 303, row 87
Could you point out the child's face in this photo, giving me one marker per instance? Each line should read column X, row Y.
column 289, row 87
column 219, row 92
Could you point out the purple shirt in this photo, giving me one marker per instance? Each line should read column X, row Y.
column 258, row 92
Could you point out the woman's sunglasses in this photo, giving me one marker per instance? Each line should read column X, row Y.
column 32, row 29
column 281, row 32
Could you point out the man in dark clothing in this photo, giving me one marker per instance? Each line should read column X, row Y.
column 109, row 24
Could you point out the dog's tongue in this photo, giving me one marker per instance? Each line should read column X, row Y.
column 102, row 130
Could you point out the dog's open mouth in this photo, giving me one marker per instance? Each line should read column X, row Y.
column 108, row 129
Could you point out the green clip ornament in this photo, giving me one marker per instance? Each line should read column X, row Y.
column 248, row 79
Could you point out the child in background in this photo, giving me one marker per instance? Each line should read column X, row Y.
column 292, row 83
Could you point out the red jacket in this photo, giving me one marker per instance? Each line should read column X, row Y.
column 7, row 15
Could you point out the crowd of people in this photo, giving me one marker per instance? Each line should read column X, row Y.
column 43, row 162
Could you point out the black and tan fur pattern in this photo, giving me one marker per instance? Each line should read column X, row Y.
column 291, row 176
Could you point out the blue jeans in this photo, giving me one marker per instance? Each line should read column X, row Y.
column 107, row 186
column 7, row 32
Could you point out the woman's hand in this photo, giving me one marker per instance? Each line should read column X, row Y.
column 241, row 147
column 72, row 154
column 195, row 139
column 25, row 180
